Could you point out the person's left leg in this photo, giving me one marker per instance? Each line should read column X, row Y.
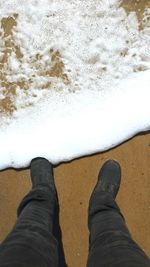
column 31, row 242
column 111, row 243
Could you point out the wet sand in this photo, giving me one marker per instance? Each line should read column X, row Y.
column 75, row 182
column 139, row 7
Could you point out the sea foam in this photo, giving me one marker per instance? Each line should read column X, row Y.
column 81, row 75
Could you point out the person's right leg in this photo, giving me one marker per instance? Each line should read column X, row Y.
column 31, row 243
column 111, row 244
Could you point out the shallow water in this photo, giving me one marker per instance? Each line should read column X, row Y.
column 55, row 68
column 138, row 6
column 7, row 105
column 73, row 76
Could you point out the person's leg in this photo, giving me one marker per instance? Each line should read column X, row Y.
column 111, row 244
column 31, row 242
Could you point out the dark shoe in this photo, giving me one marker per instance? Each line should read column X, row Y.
column 42, row 173
column 109, row 178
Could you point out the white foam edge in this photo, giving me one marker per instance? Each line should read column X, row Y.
column 74, row 125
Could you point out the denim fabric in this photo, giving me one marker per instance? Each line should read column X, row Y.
column 31, row 242
column 111, row 244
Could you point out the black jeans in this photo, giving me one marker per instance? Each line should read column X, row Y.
column 111, row 244
column 33, row 244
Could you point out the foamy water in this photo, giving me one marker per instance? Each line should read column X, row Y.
column 74, row 79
